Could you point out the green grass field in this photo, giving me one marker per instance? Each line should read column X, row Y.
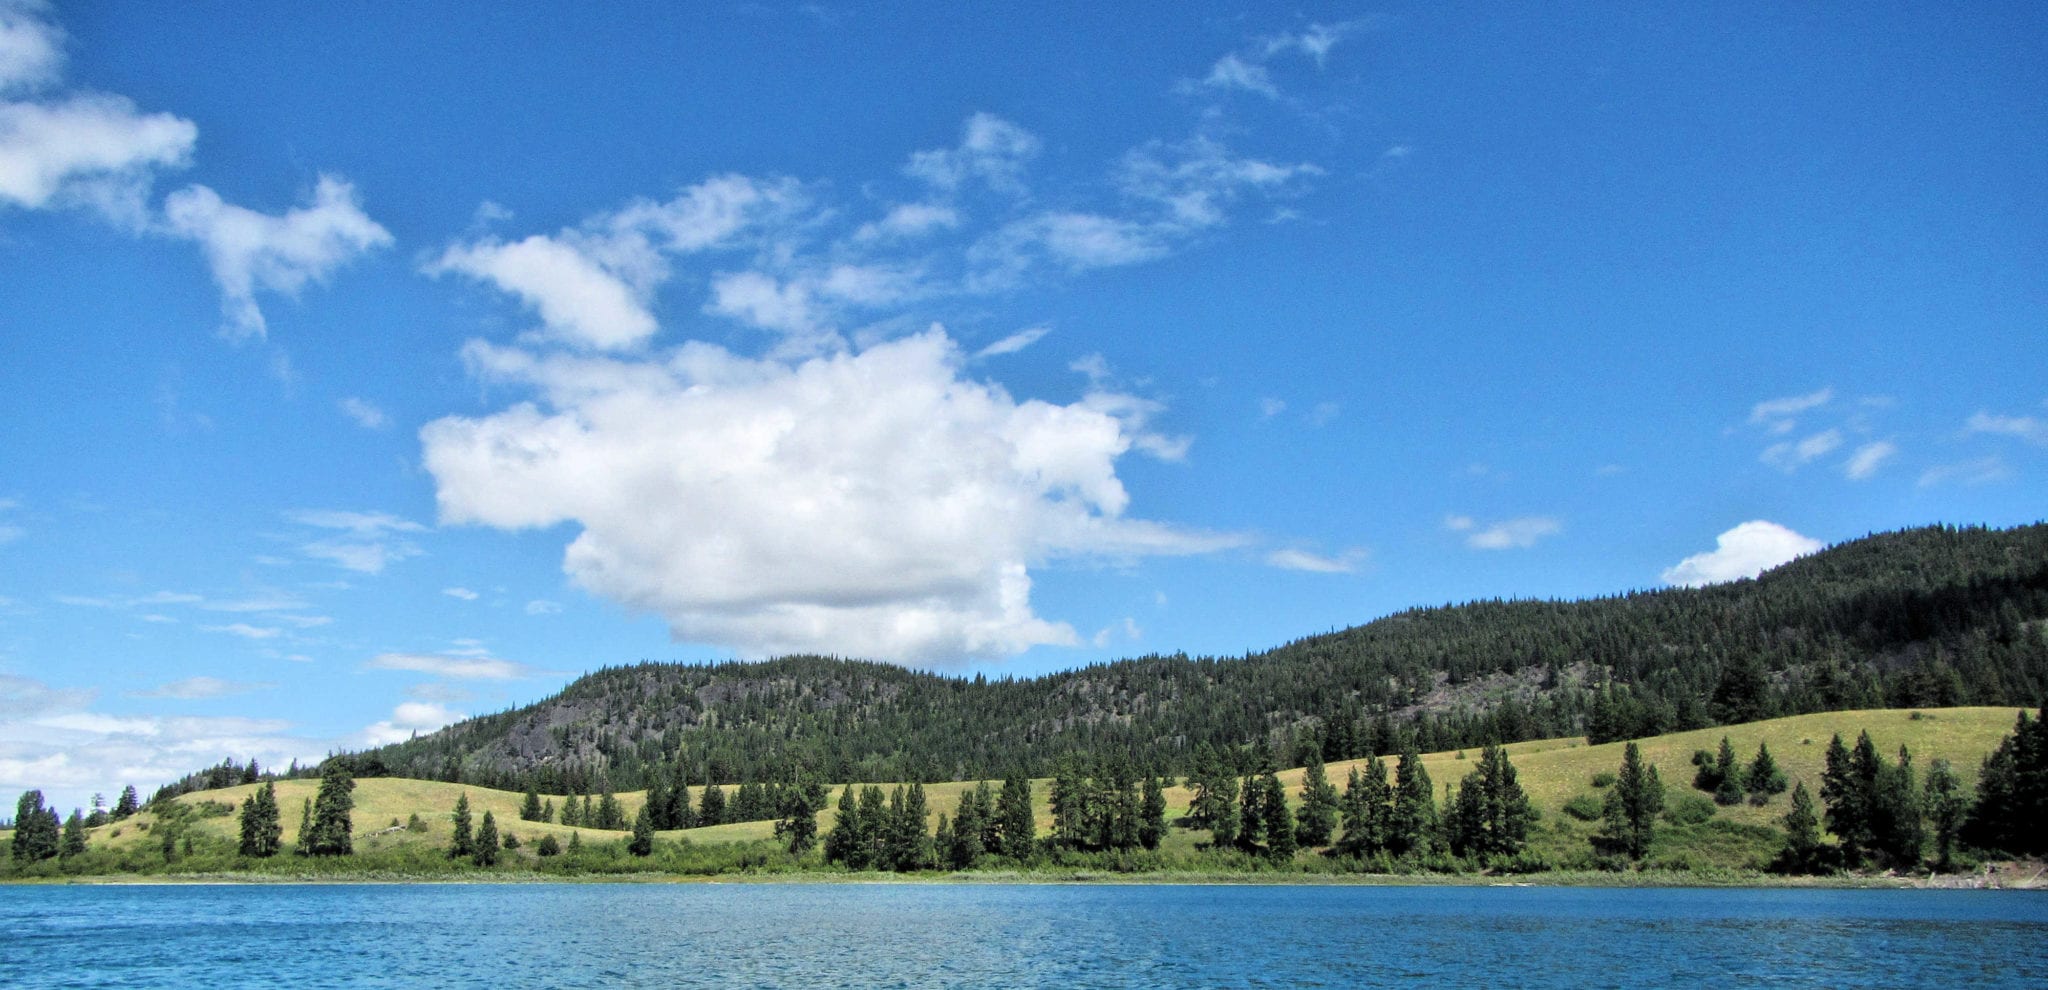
column 1552, row 772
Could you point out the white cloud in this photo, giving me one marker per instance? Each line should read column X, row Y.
column 1195, row 179
column 991, row 150
column 575, row 296
column 1315, row 41
column 246, row 631
column 1302, row 560
column 88, row 150
column 366, row 414
column 1270, row 407
column 69, row 752
column 909, row 220
column 2028, row 428
column 1778, row 415
column 1015, row 342
column 1790, row 456
column 1869, row 458
column 872, row 503
column 201, row 688
column 541, row 606
column 452, row 664
column 1743, row 552
column 369, row 545
column 1234, row 72
column 249, row 250
column 31, row 49
column 1508, row 534
column 407, row 720
column 463, row 593
column 1982, row 471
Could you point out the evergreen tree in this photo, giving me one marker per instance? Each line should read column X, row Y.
column 843, row 842
column 991, row 820
column 461, row 844
column 1491, row 816
column 1896, row 821
column 642, row 843
column 1018, row 823
column 486, row 852
column 73, row 842
column 798, row 826
column 712, row 810
column 1848, row 786
column 262, row 829
column 36, row 835
column 530, row 809
column 1317, row 819
column 2012, row 792
column 1729, row 789
column 1152, row 814
column 305, row 839
column 1632, row 805
column 909, row 844
column 332, row 829
column 1802, row 852
column 657, row 803
column 571, row 815
column 1367, row 810
column 1764, row 778
column 960, row 846
column 1251, row 818
column 610, row 816
column 127, row 805
column 1412, row 826
column 1280, row 824
column 548, row 846
column 875, row 822
column 1946, row 807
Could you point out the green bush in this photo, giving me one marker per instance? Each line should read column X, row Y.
column 1604, row 778
column 1689, row 809
column 1585, row 808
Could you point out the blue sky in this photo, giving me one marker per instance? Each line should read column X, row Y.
column 370, row 366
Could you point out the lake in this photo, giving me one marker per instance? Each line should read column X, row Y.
column 971, row 935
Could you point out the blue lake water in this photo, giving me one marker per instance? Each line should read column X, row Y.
column 954, row 936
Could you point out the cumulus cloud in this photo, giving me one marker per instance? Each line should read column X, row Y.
column 248, row 250
column 873, row 503
column 1508, row 534
column 409, row 719
column 1743, row 552
column 457, row 665
column 31, row 49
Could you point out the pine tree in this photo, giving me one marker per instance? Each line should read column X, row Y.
column 547, row 811
column 1152, row 814
column 1632, row 805
column 127, row 805
column 461, row 843
column 1018, row 823
column 530, row 810
column 1280, row 824
column 1847, row 783
column 1764, row 778
column 73, row 842
column 1367, row 810
column 712, row 811
column 960, row 844
column 1491, row 814
column 2012, row 792
column 1896, row 821
column 610, row 816
column 486, row 852
column 1413, row 825
column 305, row 839
column 842, row 843
column 642, row 843
column 1946, row 806
column 798, row 825
column 548, row 846
column 1318, row 816
column 332, row 829
column 262, row 831
column 1802, row 850
column 570, row 813
column 1729, row 790
column 36, row 835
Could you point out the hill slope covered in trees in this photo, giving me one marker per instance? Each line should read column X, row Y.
column 1936, row 616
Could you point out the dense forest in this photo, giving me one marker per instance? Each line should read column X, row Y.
column 1935, row 616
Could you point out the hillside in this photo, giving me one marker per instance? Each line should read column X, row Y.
column 1935, row 616
column 1552, row 771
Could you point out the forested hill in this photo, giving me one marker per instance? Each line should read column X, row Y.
column 1924, row 617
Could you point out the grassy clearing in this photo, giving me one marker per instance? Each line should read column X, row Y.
column 1731, row 844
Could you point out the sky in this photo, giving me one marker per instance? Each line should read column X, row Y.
column 364, row 367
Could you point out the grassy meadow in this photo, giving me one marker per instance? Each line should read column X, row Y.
column 1552, row 771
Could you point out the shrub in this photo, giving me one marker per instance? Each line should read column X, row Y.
column 1689, row 809
column 1585, row 808
column 1604, row 778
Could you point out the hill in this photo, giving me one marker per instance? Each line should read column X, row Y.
column 1552, row 771
column 1937, row 616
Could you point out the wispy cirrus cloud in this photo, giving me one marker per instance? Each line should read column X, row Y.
column 452, row 665
column 366, row 542
column 1508, row 534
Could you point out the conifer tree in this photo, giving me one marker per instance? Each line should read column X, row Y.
column 305, row 839
column 874, row 827
column 1802, row 835
column 127, row 805
column 1895, row 820
column 657, row 802
column 1152, row 814
column 960, row 844
column 547, row 811
column 1251, row 818
column 461, row 843
column 1632, row 805
column 486, row 852
column 712, row 810
column 842, row 843
column 610, row 816
column 1946, row 807
column 1491, row 814
column 798, row 826
column 1279, row 820
column 1367, row 810
column 991, row 821
column 2012, row 792
column 1018, row 823
column 36, row 835
column 571, row 815
column 529, row 809
column 74, row 835
column 1317, row 820
column 1764, row 778
column 332, row 829
column 262, row 831
column 642, row 843
column 1413, row 825
column 548, row 846
column 1730, row 787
